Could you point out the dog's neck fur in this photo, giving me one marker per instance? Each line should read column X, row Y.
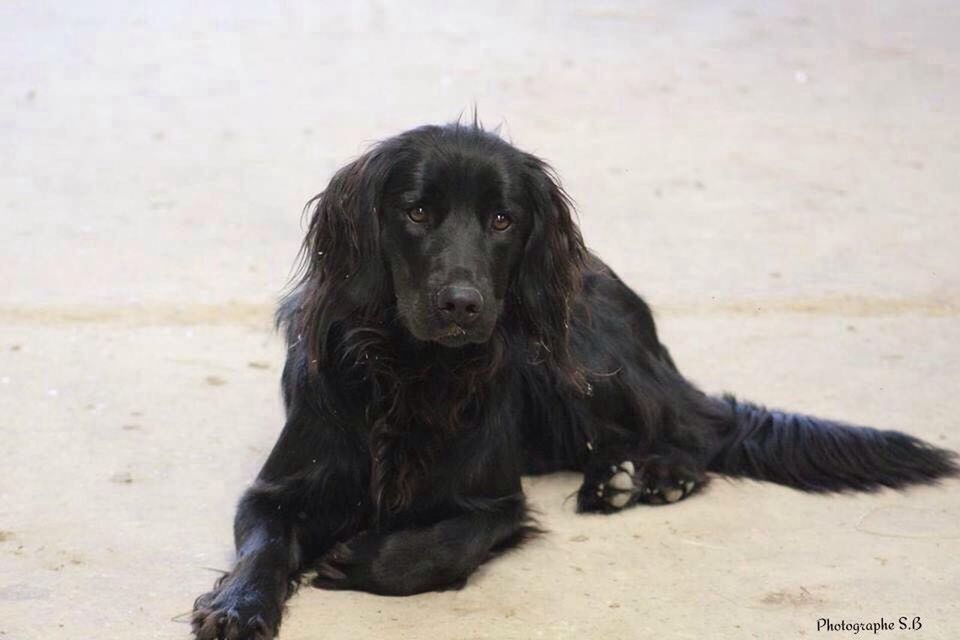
column 421, row 394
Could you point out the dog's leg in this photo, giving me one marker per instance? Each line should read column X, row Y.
column 437, row 557
column 247, row 602
column 616, row 479
column 300, row 503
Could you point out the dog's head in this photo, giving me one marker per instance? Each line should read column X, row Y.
column 453, row 227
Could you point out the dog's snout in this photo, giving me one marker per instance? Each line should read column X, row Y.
column 461, row 305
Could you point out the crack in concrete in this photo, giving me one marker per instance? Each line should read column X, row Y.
column 260, row 314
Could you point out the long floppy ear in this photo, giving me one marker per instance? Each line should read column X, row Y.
column 549, row 275
column 342, row 275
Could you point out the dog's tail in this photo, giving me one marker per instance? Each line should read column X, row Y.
column 819, row 455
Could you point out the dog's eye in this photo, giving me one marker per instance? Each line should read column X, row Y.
column 417, row 214
column 501, row 222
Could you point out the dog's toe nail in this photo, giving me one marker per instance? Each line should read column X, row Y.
column 622, row 481
column 331, row 572
column 341, row 553
column 257, row 624
column 688, row 486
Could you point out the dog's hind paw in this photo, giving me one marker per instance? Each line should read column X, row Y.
column 666, row 480
column 620, row 488
column 658, row 480
column 610, row 488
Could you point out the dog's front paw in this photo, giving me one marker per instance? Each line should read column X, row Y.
column 233, row 612
column 400, row 563
column 349, row 564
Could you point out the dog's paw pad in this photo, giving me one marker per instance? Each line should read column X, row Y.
column 660, row 488
column 672, row 494
column 619, row 500
column 620, row 488
column 622, row 481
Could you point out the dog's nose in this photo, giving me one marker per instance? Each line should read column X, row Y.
column 461, row 305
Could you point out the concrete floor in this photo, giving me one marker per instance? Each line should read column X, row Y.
column 779, row 179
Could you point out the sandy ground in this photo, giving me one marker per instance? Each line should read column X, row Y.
column 779, row 179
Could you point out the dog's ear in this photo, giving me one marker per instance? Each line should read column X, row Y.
column 342, row 270
column 548, row 278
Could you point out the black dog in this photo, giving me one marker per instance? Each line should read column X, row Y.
column 450, row 332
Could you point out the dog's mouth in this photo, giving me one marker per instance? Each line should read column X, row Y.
column 443, row 331
column 456, row 336
column 452, row 336
column 454, row 331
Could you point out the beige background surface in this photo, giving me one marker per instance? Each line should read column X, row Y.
column 779, row 179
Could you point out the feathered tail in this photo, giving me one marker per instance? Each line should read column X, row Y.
column 813, row 454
